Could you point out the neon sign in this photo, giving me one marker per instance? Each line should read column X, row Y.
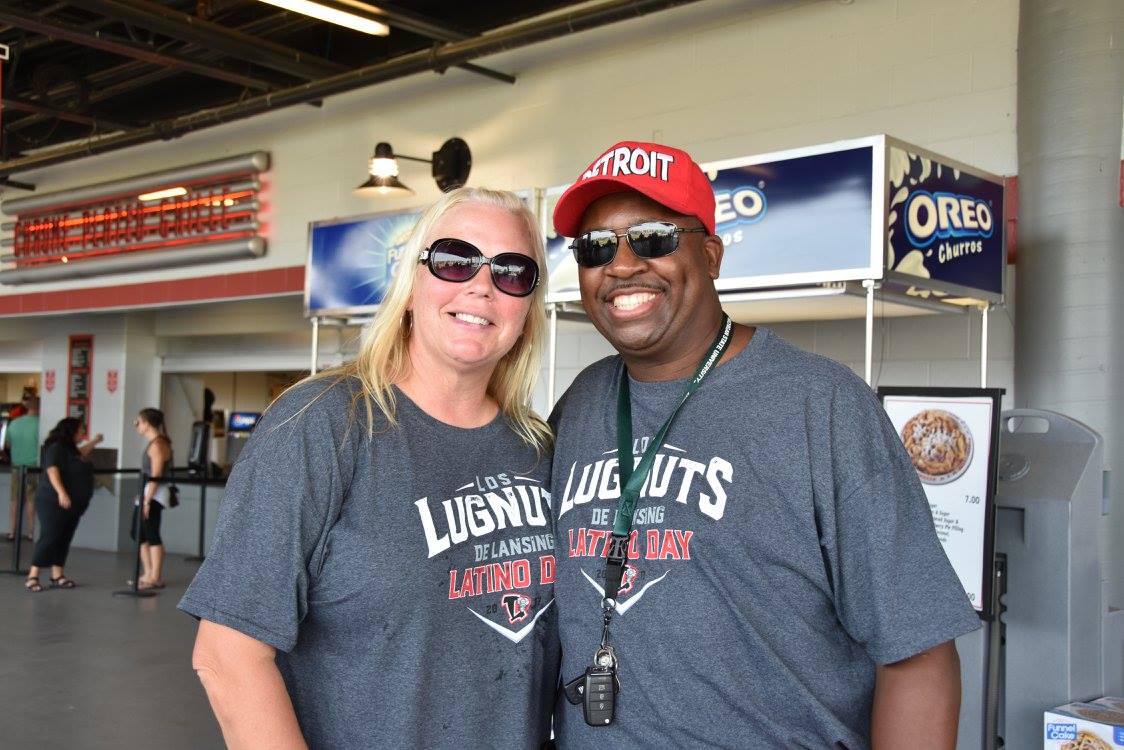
column 193, row 214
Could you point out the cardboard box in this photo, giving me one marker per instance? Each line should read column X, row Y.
column 1097, row 725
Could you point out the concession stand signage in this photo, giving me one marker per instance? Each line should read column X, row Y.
column 866, row 209
column 80, row 366
column 351, row 261
column 194, row 214
column 952, row 438
column 945, row 224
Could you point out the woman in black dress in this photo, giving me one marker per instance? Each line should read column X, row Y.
column 61, row 499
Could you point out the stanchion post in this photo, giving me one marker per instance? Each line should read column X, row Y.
column 135, row 590
column 21, row 502
column 995, row 657
column 202, row 519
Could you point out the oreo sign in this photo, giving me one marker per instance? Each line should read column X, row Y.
column 930, row 216
column 742, row 205
column 945, row 223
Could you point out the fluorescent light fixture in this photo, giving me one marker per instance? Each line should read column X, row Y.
column 172, row 192
column 332, row 15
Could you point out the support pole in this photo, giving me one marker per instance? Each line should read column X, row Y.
column 983, row 344
column 315, row 344
column 21, row 501
column 868, row 284
column 200, row 556
column 994, row 657
column 552, row 356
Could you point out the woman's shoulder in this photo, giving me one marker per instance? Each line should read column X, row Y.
column 317, row 403
column 161, row 445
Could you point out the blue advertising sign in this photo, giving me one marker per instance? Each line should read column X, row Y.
column 799, row 217
column 351, row 261
column 945, row 224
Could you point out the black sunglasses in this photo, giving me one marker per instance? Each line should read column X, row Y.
column 455, row 260
column 649, row 239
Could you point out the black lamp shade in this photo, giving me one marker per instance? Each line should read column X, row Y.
column 383, row 186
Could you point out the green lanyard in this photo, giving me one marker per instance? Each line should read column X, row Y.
column 632, row 480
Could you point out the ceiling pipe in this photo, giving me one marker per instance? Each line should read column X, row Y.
column 418, row 24
column 443, row 56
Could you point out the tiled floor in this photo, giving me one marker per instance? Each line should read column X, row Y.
column 85, row 669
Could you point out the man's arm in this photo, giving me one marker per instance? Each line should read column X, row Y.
column 917, row 701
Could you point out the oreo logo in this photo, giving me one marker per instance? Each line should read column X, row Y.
column 742, row 205
column 931, row 216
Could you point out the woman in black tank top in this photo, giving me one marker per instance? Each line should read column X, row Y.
column 156, row 461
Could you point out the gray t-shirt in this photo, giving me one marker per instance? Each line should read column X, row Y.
column 782, row 548
column 405, row 580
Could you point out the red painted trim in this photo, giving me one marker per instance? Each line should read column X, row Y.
column 286, row 280
column 1011, row 210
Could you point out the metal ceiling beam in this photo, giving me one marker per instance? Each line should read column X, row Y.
column 230, row 42
column 44, row 11
column 122, row 79
column 34, row 44
column 78, row 35
column 406, row 20
column 24, row 105
column 535, row 30
column 430, row 29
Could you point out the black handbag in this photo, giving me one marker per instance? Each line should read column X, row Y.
column 173, row 490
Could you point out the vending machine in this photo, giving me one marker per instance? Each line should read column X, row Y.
column 239, row 427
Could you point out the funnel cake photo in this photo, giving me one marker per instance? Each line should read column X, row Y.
column 939, row 444
column 1087, row 741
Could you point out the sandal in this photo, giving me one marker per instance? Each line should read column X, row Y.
column 62, row 582
column 33, row 585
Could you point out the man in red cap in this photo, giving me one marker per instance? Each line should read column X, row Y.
column 763, row 571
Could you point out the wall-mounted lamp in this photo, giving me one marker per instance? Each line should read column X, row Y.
column 451, row 165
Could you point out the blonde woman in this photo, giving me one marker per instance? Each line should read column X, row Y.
column 381, row 574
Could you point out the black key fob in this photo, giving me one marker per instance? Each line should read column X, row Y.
column 599, row 699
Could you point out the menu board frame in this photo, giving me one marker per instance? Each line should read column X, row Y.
column 945, row 398
column 79, row 406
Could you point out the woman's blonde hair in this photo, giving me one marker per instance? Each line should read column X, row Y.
column 383, row 358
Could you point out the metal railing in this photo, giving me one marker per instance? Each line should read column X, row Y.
column 178, row 476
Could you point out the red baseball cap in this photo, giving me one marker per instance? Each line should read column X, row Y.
column 667, row 175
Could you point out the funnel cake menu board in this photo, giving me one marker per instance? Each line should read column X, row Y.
column 952, row 438
column 78, row 373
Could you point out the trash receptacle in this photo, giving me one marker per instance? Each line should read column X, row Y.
column 1049, row 514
